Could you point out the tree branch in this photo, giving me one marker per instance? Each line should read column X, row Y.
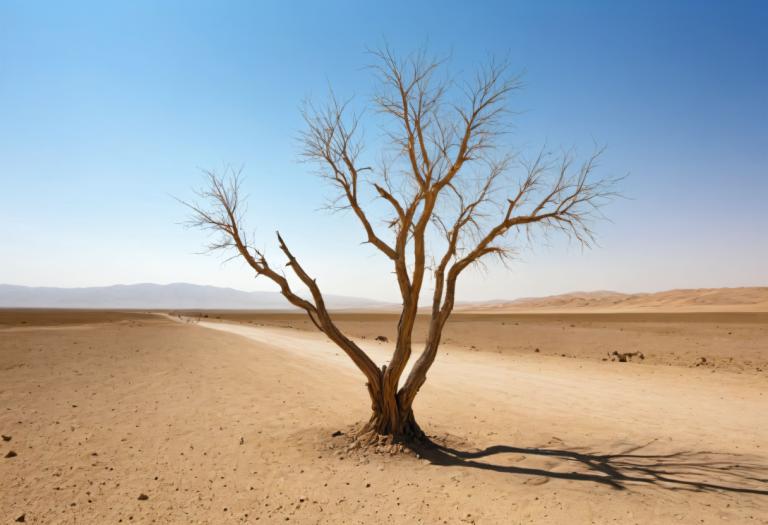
column 220, row 214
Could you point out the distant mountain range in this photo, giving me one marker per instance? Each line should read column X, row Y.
column 752, row 299
column 184, row 296
column 161, row 297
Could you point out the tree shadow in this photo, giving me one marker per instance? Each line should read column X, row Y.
column 631, row 466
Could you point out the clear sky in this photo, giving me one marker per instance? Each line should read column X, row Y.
column 108, row 109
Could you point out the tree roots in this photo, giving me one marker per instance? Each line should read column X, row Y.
column 379, row 436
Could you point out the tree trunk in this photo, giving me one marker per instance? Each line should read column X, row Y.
column 388, row 420
column 401, row 429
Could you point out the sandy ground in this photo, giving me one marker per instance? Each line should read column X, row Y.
column 718, row 341
column 223, row 422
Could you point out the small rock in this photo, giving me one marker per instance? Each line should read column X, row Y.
column 337, row 434
column 11, row 454
column 143, row 497
column 242, row 441
column 6, row 438
column 22, row 518
column 536, row 481
column 625, row 357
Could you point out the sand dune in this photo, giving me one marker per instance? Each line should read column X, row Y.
column 754, row 299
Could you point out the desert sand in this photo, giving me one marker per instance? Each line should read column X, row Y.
column 149, row 418
column 722, row 341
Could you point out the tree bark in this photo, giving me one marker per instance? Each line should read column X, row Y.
column 389, row 420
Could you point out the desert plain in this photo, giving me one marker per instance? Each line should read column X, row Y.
column 245, row 417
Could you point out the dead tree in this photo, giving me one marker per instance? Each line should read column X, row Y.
column 456, row 197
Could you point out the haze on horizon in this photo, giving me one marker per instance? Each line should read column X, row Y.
column 108, row 111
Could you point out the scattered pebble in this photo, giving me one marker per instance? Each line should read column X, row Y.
column 11, row 454
column 143, row 497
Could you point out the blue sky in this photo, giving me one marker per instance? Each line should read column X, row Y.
column 108, row 109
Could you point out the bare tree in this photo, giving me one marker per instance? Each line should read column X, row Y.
column 456, row 197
